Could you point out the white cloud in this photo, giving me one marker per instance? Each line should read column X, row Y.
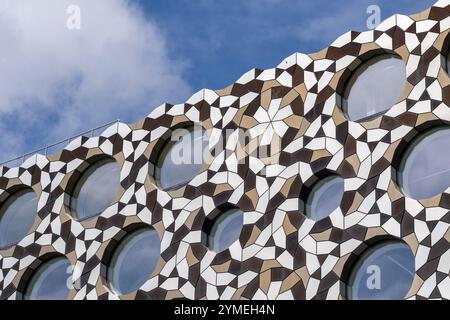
column 55, row 81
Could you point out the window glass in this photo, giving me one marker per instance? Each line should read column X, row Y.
column 448, row 63
column 425, row 168
column 17, row 216
column 226, row 229
column 134, row 260
column 383, row 272
column 325, row 197
column 51, row 281
column 374, row 87
column 182, row 158
column 96, row 189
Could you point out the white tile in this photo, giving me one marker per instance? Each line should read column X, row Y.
column 342, row 40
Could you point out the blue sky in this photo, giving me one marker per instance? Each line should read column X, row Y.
column 222, row 39
column 132, row 55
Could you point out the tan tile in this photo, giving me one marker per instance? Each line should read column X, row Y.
column 372, row 124
column 289, row 97
column 413, row 243
column 238, row 294
column 323, row 236
column 432, row 202
column 421, row 15
column 264, row 281
column 322, row 54
column 318, row 154
column 391, row 151
column 338, row 116
column 266, row 98
column 425, row 117
column 269, row 264
column 403, row 52
column 253, row 236
column 174, row 294
column 224, row 92
column 353, row 160
column 222, row 188
column 294, row 121
column 253, row 196
column 288, row 227
column 190, row 257
column 374, row 232
column 289, row 282
column 248, row 122
column 415, row 287
column 222, row 268
column 394, row 192
column 303, row 274
column 269, row 85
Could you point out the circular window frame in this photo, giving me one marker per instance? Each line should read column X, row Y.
column 308, row 187
column 445, row 50
column 111, row 251
column 318, row 183
column 9, row 197
column 356, row 259
column 212, row 219
column 447, row 62
column 405, row 150
column 351, row 74
column 163, row 147
column 27, row 279
column 78, row 179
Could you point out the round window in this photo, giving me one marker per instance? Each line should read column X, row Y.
column 17, row 216
column 96, row 189
column 51, row 281
column 226, row 229
column 425, row 169
column 448, row 62
column 374, row 87
column 324, row 197
column 383, row 272
column 181, row 158
column 134, row 260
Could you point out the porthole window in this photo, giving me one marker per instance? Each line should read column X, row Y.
column 374, row 87
column 51, row 281
column 17, row 216
column 425, row 167
column 181, row 158
column 383, row 272
column 134, row 261
column 325, row 196
column 226, row 229
column 96, row 189
column 448, row 62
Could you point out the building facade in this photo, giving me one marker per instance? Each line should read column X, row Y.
column 351, row 196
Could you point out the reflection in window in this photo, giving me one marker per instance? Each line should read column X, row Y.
column 448, row 63
column 17, row 216
column 226, row 229
column 325, row 197
column 181, row 158
column 96, row 189
column 425, row 167
column 134, row 260
column 51, row 281
column 374, row 87
column 383, row 272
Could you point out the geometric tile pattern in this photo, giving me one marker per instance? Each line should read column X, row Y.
column 281, row 254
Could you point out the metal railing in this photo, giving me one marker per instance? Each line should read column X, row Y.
column 55, row 147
